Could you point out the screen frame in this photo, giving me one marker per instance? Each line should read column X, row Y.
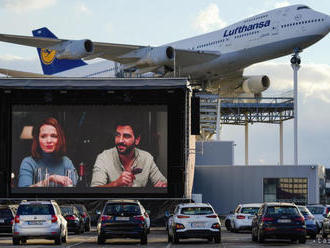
column 174, row 99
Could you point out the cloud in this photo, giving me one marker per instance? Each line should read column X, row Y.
column 281, row 4
column 20, row 6
column 209, row 19
column 313, row 79
column 83, row 9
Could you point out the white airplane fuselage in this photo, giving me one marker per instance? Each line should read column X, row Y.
column 259, row 38
column 255, row 39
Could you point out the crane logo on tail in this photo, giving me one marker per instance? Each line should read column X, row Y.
column 47, row 56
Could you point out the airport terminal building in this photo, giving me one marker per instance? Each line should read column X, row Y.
column 225, row 185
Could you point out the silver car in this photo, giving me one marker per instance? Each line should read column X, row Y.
column 39, row 219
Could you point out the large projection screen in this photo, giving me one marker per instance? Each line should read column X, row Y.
column 89, row 148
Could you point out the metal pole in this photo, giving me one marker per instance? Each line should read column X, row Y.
column 218, row 119
column 246, row 140
column 174, row 62
column 281, row 142
column 295, row 61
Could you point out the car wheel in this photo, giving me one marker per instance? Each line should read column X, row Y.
column 217, row 238
column 16, row 241
column 302, row 240
column 65, row 237
column 175, row 239
column 58, row 240
column 261, row 238
column 88, row 227
column 228, row 226
column 254, row 237
column 324, row 235
column 144, row 239
column 169, row 239
column 100, row 240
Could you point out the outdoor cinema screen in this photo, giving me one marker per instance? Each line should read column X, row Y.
column 89, row 148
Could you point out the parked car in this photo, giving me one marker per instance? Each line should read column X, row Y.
column 123, row 218
column 279, row 220
column 95, row 216
column 320, row 212
column 194, row 220
column 7, row 215
column 243, row 215
column 312, row 228
column 39, row 219
column 326, row 226
column 75, row 221
column 84, row 214
column 228, row 220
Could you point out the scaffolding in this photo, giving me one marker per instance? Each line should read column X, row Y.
column 216, row 111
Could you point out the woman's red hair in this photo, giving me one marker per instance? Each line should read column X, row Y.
column 60, row 148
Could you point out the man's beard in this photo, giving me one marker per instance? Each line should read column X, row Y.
column 127, row 150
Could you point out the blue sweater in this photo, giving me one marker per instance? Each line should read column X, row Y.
column 29, row 167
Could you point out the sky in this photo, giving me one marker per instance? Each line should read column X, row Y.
column 146, row 22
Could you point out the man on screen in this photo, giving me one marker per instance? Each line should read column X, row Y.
column 125, row 165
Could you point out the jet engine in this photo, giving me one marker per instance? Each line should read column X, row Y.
column 74, row 49
column 255, row 84
column 156, row 56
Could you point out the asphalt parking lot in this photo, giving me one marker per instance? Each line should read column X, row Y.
column 158, row 238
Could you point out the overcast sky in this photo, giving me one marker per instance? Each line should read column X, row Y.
column 146, row 22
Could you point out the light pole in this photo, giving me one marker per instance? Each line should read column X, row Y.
column 295, row 64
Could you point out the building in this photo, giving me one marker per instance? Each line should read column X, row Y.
column 225, row 186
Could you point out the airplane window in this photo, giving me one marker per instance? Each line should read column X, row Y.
column 303, row 7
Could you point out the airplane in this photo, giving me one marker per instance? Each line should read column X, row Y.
column 214, row 60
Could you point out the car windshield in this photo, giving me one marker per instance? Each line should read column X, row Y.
column 5, row 213
column 249, row 210
column 304, row 211
column 282, row 210
column 127, row 209
column 67, row 210
column 80, row 208
column 197, row 210
column 37, row 209
column 316, row 210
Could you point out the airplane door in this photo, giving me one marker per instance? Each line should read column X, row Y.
column 275, row 28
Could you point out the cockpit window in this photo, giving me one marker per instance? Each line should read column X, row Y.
column 303, row 7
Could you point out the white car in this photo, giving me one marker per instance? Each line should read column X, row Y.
column 194, row 220
column 39, row 219
column 243, row 215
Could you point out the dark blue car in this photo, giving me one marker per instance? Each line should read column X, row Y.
column 278, row 221
column 122, row 219
column 312, row 228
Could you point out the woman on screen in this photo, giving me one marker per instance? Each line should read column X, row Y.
column 47, row 166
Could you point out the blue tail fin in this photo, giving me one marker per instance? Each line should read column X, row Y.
column 50, row 64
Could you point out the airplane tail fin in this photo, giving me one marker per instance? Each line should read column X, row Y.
column 50, row 64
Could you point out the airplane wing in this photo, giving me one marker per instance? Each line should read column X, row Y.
column 129, row 55
column 191, row 57
column 14, row 73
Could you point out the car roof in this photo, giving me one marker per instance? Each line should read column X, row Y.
column 251, row 205
column 122, row 201
column 279, row 204
column 36, row 202
column 318, row 205
column 194, row 205
column 68, row 206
